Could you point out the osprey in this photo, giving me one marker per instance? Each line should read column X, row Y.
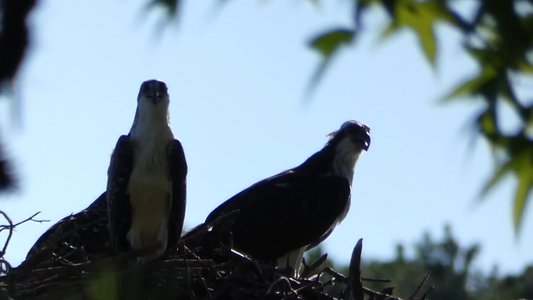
column 146, row 179
column 280, row 217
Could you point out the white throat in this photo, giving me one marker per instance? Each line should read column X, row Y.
column 150, row 186
column 346, row 156
column 151, row 133
column 150, row 117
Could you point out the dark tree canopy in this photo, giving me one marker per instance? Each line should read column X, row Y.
column 451, row 269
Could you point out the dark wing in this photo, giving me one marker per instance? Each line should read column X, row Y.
column 75, row 239
column 178, row 174
column 118, row 203
column 238, row 201
column 285, row 212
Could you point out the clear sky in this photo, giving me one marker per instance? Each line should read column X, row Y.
column 237, row 79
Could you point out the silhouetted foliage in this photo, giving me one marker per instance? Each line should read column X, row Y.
column 451, row 272
column 13, row 44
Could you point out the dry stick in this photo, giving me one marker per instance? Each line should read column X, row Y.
column 336, row 275
column 31, row 219
column 306, row 285
column 354, row 273
column 205, row 286
column 420, row 285
column 431, row 288
column 12, row 226
column 378, row 294
column 308, row 269
column 189, row 283
column 10, row 233
column 281, row 279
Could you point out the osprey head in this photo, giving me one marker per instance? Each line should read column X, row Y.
column 357, row 133
column 152, row 105
column 153, row 91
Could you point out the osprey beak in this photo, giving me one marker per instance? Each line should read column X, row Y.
column 366, row 142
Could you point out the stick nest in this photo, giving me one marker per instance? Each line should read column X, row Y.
column 66, row 263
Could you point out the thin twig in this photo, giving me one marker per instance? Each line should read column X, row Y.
column 308, row 269
column 276, row 282
column 338, row 276
column 31, row 219
column 431, row 288
column 10, row 233
column 378, row 294
column 12, row 226
column 419, row 287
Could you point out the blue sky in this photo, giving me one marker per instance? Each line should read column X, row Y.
column 237, row 80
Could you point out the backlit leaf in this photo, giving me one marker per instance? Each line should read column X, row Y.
column 472, row 86
column 497, row 176
column 329, row 42
column 525, row 184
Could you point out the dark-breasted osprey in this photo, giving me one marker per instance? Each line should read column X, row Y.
column 146, row 179
column 280, row 217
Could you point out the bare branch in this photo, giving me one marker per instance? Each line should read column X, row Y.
column 12, row 226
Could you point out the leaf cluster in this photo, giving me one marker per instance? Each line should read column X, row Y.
column 498, row 36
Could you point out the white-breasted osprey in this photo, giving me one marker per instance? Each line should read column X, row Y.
column 280, row 217
column 147, row 179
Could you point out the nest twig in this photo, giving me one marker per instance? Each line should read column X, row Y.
column 62, row 265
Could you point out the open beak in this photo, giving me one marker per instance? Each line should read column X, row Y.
column 364, row 139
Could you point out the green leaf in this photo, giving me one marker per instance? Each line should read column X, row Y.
column 525, row 66
column 390, row 29
column 473, row 86
column 419, row 16
column 329, row 42
column 525, row 184
column 487, row 123
column 519, row 164
column 502, row 170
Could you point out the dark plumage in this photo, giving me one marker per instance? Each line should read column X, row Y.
column 281, row 216
column 78, row 238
